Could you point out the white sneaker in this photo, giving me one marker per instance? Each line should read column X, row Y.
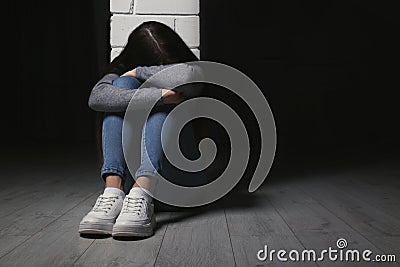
column 137, row 216
column 101, row 218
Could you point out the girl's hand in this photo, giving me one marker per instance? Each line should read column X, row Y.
column 130, row 73
column 172, row 97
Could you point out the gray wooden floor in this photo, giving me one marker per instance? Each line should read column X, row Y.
column 45, row 194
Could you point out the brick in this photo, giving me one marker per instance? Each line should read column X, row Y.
column 115, row 52
column 188, row 27
column 196, row 51
column 120, row 6
column 177, row 7
column 123, row 25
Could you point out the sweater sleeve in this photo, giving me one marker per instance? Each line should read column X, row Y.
column 169, row 76
column 144, row 73
column 106, row 97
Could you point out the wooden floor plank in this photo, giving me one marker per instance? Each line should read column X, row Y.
column 254, row 223
column 379, row 193
column 10, row 242
column 40, row 177
column 41, row 207
column 52, row 204
column 111, row 252
column 22, row 194
column 367, row 220
column 126, row 252
column 196, row 238
column 313, row 224
column 50, row 201
column 58, row 244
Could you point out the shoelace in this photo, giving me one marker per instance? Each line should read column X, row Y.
column 104, row 203
column 133, row 204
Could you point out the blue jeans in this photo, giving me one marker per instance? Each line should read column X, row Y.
column 114, row 161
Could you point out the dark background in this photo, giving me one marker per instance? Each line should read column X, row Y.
column 329, row 69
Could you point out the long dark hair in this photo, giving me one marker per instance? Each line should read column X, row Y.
column 151, row 43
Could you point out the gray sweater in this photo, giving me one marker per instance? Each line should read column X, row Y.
column 106, row 97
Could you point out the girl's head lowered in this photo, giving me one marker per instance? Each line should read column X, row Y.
column 151, row 43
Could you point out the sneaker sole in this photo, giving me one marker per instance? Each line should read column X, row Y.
column 135, row 230
column 97, row 229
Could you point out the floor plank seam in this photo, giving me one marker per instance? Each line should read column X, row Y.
column 31, row 202
column 230, row 239
column 294, row 234
column 161, row 243
column 346, row 223
column 80, row 256
column 41, row 229
column 363, row 201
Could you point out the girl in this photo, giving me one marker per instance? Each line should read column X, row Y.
column 151, row 47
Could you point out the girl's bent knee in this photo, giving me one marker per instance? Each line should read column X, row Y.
column 127, row 82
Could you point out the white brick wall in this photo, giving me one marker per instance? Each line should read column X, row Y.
column 173, row 7
column 120, row 6
column 180, row 15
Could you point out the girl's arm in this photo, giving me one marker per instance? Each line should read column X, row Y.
column 168, row 78
column 106, row 97
column 144, row 73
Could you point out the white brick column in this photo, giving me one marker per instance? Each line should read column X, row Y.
column 181, row 15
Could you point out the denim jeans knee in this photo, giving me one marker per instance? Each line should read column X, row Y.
column 127, row 82
column 113, row 157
